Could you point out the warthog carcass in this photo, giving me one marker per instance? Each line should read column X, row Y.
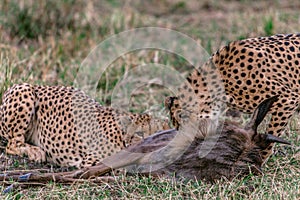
column 209, row 153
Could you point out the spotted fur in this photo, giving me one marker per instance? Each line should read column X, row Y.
column 242, row 74
column 65, row 126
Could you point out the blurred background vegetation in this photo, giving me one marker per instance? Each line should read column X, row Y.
column 44, row 42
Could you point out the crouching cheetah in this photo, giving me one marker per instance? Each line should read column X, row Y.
column 65, row 126
column 241, row 75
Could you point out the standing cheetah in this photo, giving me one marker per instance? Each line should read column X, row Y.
column 241, row 75
column 65, row 126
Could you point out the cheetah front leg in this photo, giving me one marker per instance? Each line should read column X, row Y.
column 18, row 116
column 281, row 112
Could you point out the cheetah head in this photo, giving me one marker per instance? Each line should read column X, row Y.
column 181, row 116
column 139, row 126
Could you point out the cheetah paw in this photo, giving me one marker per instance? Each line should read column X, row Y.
column 36, row 154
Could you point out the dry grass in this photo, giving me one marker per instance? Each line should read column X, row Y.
column 45, row 42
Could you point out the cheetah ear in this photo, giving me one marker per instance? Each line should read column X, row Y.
column 260, row 113
column 169, row 101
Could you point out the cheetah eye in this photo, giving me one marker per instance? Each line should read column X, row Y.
column 140, row 133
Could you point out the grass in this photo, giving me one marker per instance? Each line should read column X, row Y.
column 268, row 186
column 45, row 43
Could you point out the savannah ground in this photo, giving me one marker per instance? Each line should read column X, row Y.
column 44, row 43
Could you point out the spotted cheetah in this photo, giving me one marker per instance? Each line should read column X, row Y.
column 65, row 126
column 240, row 75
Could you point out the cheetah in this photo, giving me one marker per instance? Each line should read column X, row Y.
column 240, row 75
column 66, row 127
